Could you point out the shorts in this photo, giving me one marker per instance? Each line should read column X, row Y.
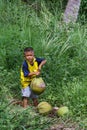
column 27, row 92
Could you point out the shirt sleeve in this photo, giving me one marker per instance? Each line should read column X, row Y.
column 39, row 60
column 25, row 69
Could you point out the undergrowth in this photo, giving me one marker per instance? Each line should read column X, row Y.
column 65, row 49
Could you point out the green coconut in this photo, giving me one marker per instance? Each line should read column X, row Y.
column 44, row 108
column 62, row 111
column 37, row 85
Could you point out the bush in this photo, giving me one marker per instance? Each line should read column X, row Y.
column 83, row 12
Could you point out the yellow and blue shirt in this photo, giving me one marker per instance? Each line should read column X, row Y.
column 26, row 69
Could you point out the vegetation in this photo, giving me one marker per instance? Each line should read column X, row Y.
column 65, row 74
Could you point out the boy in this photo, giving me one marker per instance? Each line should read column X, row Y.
column 31, row 68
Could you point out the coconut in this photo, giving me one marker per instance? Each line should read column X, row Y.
column 38, row 85
column 62, row 111
column 44, row 108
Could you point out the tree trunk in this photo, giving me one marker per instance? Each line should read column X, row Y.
column 71, row 11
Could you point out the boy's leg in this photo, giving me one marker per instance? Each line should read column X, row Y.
column 25, row 102
column 25, row 95
column 35, row 101
column 34, row 97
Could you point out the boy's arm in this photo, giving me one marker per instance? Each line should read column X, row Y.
column 27, row 72
column 41, row 64
column 33, row 73
column 39, row 69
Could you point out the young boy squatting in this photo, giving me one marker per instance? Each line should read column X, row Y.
column 31, row 68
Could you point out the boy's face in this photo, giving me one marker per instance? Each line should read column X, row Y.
column 29, row 55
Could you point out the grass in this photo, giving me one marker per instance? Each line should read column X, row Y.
column 64, row 47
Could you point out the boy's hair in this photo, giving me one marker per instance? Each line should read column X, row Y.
column 28, row 49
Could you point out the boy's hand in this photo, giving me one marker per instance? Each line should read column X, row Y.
column 38, row 73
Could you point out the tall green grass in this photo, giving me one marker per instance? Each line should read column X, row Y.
column 64, row 47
